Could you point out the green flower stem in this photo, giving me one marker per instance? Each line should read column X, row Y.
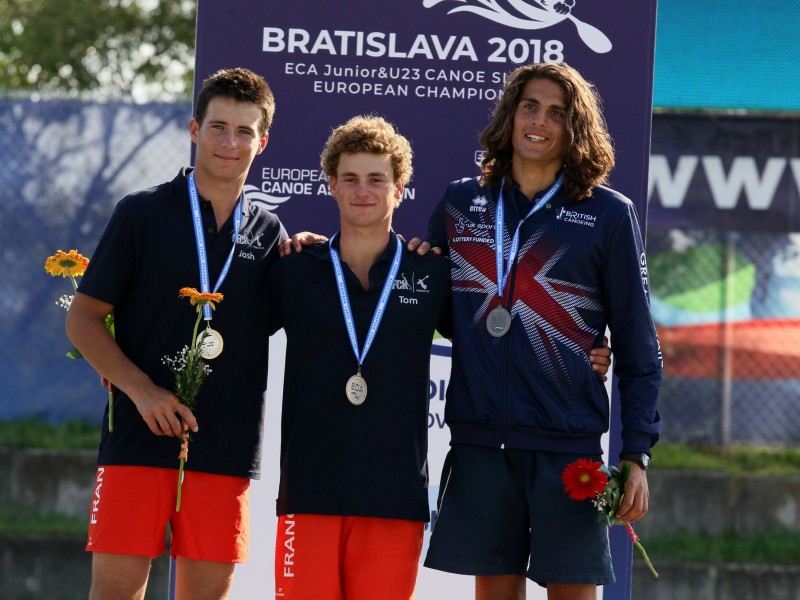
column 188, row 398
column 109, row 323
column 637, row 543
column 196, row 326
column 180, row 485
column 646, row 559
column 74, row 283
column 183, row 460
column 110, row 407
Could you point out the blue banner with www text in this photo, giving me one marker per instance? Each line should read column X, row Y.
column 434, row 68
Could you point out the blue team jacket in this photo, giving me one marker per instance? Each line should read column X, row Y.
column 580, row 268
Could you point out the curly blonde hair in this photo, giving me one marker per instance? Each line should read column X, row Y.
column 589, row 150
column 368, row 133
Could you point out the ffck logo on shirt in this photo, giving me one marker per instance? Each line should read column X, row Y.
column 409, row 285
column 249, row 240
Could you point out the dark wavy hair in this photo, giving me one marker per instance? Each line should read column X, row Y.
column 238, row 84
column 589, row 150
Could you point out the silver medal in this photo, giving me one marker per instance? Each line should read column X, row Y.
column 498, row 322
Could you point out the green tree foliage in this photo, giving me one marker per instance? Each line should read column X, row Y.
column 112, row 48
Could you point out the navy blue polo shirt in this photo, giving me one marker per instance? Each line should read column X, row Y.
column 337, row 458
column 145, row 255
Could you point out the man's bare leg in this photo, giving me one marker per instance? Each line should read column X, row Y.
column 202, row 579
column 116, row 576
column 571, row 591
column 500, row 587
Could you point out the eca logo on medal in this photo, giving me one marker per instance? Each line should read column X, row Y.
column 356, row 389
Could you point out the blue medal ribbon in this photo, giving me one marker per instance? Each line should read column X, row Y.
column 200, row 240
column 344, row 299
column 504, row 271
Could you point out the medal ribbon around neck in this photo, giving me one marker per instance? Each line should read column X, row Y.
column 200, row 240
column 379, row 310
column 499, row 228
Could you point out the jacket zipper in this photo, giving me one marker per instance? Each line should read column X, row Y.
column 505, row 400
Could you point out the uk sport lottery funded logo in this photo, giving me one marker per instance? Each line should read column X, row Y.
column 532, row 14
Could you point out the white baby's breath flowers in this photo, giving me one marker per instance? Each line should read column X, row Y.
column 65, row 301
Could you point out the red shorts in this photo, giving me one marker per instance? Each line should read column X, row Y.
column 328, row 557
column 132, row 506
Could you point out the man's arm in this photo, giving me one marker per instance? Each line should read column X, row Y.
column 638, row 358
column 161, row 410
column 298, row 240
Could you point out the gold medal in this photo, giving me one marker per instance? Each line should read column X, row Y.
column 498, row 322
column 356, row 389
column 210, row 341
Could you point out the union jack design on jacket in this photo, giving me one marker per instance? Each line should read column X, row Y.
column 580, row 268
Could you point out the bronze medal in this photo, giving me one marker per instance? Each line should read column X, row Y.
column 356, row 389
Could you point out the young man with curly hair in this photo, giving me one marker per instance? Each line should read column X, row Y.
column 359, row 314
column 543, row 258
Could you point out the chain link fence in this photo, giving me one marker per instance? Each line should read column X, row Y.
column 63, row 167
column 727, row 305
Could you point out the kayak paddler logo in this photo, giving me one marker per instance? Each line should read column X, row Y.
column 531, row 14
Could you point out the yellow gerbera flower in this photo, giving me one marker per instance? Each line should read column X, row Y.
column 199, row 299
column 66, row 264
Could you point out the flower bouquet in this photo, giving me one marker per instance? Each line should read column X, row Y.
column 190, row 371
column 587, row 479
column 73, row 264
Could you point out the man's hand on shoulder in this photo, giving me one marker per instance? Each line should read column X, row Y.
column 422, row 248
column 298, row 240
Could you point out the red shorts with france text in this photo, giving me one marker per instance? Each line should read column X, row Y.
column 330, row 557
column 133, row 506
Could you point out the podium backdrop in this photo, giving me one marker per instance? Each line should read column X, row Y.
column 434, row 68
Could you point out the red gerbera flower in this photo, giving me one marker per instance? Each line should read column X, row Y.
column 583, row 479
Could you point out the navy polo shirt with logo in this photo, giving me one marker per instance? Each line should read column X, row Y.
column 146, row 254
column 367, row 460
